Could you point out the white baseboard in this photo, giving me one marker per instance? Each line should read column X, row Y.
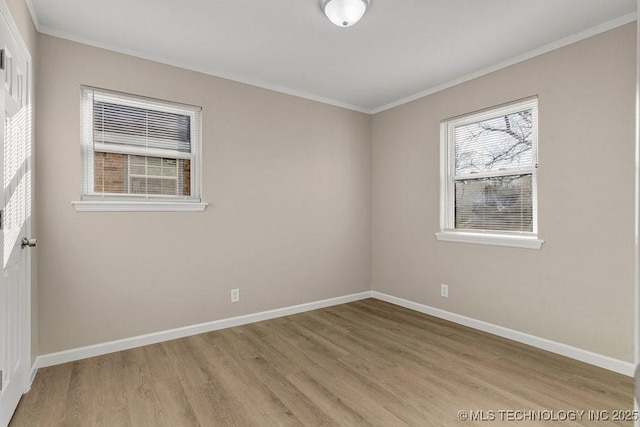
column 154, row 338
column 606, row 362
column 34, row 371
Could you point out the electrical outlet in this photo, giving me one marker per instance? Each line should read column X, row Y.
column 444, row 291
column 235, row 295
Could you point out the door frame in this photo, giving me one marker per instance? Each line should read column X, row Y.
column 30, row 368
column 636, row 279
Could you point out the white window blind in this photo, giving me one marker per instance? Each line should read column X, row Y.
column 489, row 163
column 138, row 148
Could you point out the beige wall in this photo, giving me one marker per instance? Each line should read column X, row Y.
column 22, row 18
column 288, row 186
column 576, row 290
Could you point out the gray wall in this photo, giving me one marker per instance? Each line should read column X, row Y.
column 576, row 290
column 288, row 186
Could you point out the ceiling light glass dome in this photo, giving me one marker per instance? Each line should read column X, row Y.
column 344, row 13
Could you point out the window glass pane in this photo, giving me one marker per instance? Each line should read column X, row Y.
column 503, row 142
column 138, row 170
column 138, row 185
column 497, row 203
column 154, row 186
column 168, row 186
column 110, row 173
column 185, row 175
column 144, row 176
column 137, row 165
column 169, row 167
column 160, row 176
column 138, row 160
column 154, row 166
column 125, row 124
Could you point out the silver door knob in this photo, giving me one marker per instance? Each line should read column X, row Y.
column 29, row 242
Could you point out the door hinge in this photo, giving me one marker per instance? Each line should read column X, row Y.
column 2, row 56
column 1, row 383
column 1, row 219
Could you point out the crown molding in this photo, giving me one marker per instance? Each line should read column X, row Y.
column 34, row 15
column 167, row 61
column 598, row 29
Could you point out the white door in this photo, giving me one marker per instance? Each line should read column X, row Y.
column 15, row 202
column 636, row 401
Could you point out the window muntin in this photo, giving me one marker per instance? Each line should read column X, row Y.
column 139, row 149
column 489, row 172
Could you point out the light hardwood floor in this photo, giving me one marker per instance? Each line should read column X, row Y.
column 363, row 363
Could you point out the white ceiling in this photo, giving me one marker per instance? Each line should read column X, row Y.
column 400, row 49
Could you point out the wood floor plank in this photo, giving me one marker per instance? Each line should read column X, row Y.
column 80, row 404
column 48, row 394
column 367, row 363
column 261, row 405
column 217, row 401
column 111, row 400
column 140, row 393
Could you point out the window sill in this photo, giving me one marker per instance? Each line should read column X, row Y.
column 141, row 206
column 525, row 242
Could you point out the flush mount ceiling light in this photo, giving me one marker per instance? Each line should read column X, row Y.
column 344, row 13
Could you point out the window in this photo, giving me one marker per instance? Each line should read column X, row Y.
column 489, row 177
column 139, row 153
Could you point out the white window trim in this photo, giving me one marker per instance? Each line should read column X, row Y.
column 99, row 202
column 447, row 231
column 137, row 206
column 526, row 242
